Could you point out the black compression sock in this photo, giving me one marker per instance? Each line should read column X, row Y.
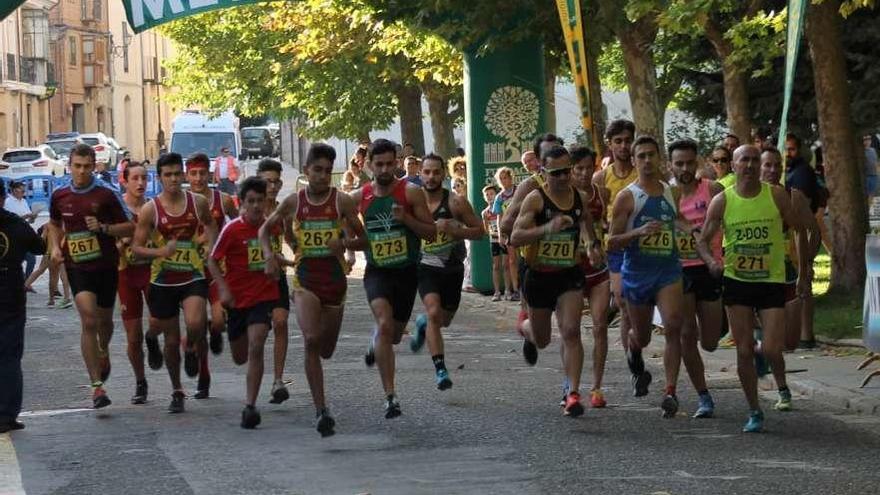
column 439, row 363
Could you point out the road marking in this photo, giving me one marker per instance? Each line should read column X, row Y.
column 10, row 474
column 51, row 412
column 780, row 464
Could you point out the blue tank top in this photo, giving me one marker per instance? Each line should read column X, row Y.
column 657, row 251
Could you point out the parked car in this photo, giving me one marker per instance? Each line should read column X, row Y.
column 36, row 160
column 62, row 148
column 105, row 151
column 257, row 141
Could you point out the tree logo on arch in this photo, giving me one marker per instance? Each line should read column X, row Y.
column 512, row 114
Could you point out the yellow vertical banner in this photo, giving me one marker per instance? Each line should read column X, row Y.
column 573, row 30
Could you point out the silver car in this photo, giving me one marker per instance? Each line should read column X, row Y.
column 37, row 160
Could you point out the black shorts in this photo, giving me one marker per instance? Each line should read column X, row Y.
column 283, row 301
column 164, row 300
column 101, row 283
column 697, row 280
column 758, row 295
column 396, row 285
column 239, row 319
column 446, row 282
column 497, row 250
column 541, row 290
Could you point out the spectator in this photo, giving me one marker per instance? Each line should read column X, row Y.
column 56, row 272
column 504, row 180
column 458, row 170
column 459, row 152
column 226, row 172
column 721, row 161
column 870, row 168
column 731, row 142
column 413, row 166
column 18, row 205
column 530, row 162
column 354, row 177
column 490, row 225
column 126, row 159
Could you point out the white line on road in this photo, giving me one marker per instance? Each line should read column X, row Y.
column 10, row 474
column 51, row 412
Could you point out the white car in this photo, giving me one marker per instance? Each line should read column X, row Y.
column 62, row 148
column 105, row 151
column 37, row 160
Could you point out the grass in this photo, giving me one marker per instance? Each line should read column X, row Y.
column 837, row 316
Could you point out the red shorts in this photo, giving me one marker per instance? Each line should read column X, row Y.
column 593, row 277
column 134, row 283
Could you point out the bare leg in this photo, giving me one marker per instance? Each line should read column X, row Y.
column 741, row 320
column 256, row 335
column 599, row 299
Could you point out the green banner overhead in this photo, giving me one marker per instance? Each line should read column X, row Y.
column 796, row 12
column 145, row 14
column 8, row 6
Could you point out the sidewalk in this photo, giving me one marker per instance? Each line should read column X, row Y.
column 827, row 375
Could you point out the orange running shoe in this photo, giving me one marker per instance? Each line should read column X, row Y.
column 597, row 399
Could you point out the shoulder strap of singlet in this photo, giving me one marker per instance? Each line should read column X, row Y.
column 399, row 193
column 366, row 196
column 159, row 211
column 191, row 203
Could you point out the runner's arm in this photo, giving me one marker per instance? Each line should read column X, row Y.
column 796, row 222
column 618, row 237
column 228, row 205
column 207, row 220
column 420, row 221
column 508, row 218
column 357, row 241
column 711, row 226
column 524, row 230
column 142, row 232
column 282, row 214
column 464, row 212
column 218, row 253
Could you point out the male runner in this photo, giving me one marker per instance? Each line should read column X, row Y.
column 596, row 282
column 175, row 220
column 221, row 206
column 441, row 270
column 320, row 214
column 751, row 215
column 134, row 283
column 245, row 290
column 643, row 223
column 85, row 218
column 550, row 224
column 611, row 180
column 270, row 171
column 701, row 306
column 396, row 216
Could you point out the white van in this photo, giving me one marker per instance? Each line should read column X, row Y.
column 194, row 132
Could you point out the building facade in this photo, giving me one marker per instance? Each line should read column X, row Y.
column 25, row 65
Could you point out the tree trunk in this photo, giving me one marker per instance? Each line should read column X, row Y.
column 597, row 109
column 409, row 107
column 636, row 41
column 364, row 136
column 842, row 158
column 551, row 67
column 736, row 93
column 442, row 123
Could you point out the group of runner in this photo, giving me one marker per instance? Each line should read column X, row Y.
column 622, row 231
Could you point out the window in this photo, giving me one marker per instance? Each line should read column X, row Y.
column 35, row 33
column 71, row 49
column 10, row 67
column 126, row 40
column 96, row 9
column 88, row 45
column 84, row 9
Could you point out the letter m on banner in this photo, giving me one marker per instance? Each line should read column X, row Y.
column 145, row 14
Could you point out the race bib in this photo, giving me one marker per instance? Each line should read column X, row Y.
column 184, row 258
column 687, row 247
column 256, row 260
column 314, row 237
column 657, row 244
column 556, row 250
column 388, row 248
column 442, row 242
column 752, row 261
column 83, row 246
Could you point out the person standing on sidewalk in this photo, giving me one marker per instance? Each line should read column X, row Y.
column 751, row 215
column 17, row 238
column 226, row 172
column 18, row 205
column 702, row 312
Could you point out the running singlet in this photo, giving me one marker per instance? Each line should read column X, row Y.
column 83, row 249
column 656, row 251
column 443, row 251
column 728, row 180
column 615, row 184
column 127, row 259
column 315, row 226
column 554, row 252
column 391, row 244
column 754, row 245
column 185, row 265
column 217, row 212
column 693, row 209
column 239, row 246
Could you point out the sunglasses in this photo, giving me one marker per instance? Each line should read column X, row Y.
column 720, row 160
column 559, row 172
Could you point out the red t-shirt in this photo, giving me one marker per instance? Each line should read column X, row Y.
column 85, row 250
column 239, row 245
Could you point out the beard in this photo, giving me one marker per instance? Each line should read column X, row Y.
column 384, row 179
column 686, row 178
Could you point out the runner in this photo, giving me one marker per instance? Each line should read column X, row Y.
column 174, row 221
column 611, row 180
column 751, row 215
column 245, row 290
column 643, row 223
column 221, row 206
column 596, row 281
column 554, row 281
column 490, row 225
column 396, row 216
column 701, row 306
column 85, row 218
column 441, row 270
column 270, row 171
column 319, row 212
column 134, row 283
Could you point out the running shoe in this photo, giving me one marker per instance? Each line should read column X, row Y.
column 325, row 423
column 370, row 356
column 514, row 296
column 417, row 339
column 573, row 406
column 530, row 352
column 669, row 406
column 57, row 293
column 392, row 407
column 140, row 393
column 11, row 426
column 279, row 392
column 565, row 386
column 443, row 381
column 496, row 297
column 216, row 342
column 784, row 402
column 177, row 399
column 50, row 303
column 105, row 367
column 99, row 398
column 755, row 423
column 154, row 353
column 250, row 417
column 597, row 399
column 204, row 386
column 66, row 303
column 191, row 363
column 640, row 384
column 705, row 406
